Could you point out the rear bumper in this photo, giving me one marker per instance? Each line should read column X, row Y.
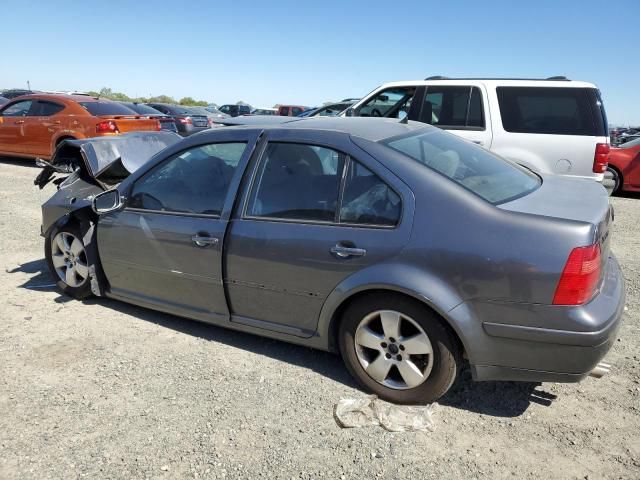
column 534, row 353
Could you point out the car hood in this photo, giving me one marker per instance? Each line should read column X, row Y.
column 107, row 160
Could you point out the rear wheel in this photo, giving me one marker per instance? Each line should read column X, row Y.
column 67, row 259
column 398, row 349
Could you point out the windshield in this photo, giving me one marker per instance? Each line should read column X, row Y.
column 631, row 143
column 491, row 177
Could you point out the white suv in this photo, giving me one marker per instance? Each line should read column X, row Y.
column 554, row 126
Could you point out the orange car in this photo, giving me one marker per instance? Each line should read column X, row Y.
column 34, row 125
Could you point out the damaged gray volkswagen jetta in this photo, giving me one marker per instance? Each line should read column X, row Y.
column 399, row 245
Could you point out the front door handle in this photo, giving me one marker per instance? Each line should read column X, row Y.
column 478, row 142
column 346, row 252
column 204, row 241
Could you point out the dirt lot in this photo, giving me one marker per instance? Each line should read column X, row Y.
column 105, row 390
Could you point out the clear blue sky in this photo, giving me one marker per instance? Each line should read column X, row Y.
column 308, row 52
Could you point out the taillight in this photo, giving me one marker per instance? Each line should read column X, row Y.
column 158, row 126
column 601, row 158
column 108, row 126
column 580, row 276
column 185, row 121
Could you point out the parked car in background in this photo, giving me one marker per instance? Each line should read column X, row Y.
column 34, row 125
column 264, row 111
column 17, row 92
column 235, row 110
column 187, row 122
column 216, row 112
column 291, row 110
column 330, row 110
column 401, row 246
column 166, row 122
column 553, row 125
column 3, row 100
column 624, row 167
column 214, row 119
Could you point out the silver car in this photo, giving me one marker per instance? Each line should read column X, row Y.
column 398, row 245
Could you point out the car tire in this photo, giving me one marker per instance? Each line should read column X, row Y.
column 66, row 257
column 428, row 376
column 614, row 179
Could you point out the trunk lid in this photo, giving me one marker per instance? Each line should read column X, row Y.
column 200, row 120
column 132, row 123
column 575, row 199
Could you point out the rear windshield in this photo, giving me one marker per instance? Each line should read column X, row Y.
column 550, row 110
column 491, row 177
column 178, row 110
column 106, row 108
column 630, row 143
column 143, row 109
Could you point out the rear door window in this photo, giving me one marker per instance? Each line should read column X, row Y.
column 46, row 109
column 546, row 110
column 453, row 107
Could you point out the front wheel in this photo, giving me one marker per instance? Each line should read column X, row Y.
column 67, row 259
column 398, row 349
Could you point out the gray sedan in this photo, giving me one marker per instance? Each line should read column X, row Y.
column 400, row 246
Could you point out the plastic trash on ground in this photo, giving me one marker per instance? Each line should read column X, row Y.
column 361, row 412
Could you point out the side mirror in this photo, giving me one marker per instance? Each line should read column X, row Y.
column 106, row 202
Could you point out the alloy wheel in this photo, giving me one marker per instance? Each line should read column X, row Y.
column 393, row 349
column 69, row 259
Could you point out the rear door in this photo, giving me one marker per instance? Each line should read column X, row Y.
column 12, row 126
column 316, row 211
column 460, row 109
column 42, row 125
column 164, row 249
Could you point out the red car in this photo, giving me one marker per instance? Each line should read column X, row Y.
column 624, row 166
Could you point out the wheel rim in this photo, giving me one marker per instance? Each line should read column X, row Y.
column 69, row 259
column 393, row 349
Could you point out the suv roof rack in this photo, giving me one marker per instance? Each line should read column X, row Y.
column 555, row 77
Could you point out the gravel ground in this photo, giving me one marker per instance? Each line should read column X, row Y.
column 106, row 390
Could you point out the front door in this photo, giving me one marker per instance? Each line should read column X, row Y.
column 164, row 249
column 41, row 126
column 312, row 216
column 12, row 126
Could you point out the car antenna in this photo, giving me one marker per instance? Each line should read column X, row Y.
column 404, row 120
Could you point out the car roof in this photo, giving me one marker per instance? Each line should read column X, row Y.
column 492, row 82
column 61, row 96
column 373, row 129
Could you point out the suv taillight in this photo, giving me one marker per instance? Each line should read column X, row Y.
column 601, row 158
column 580, row 277
column 108, row 126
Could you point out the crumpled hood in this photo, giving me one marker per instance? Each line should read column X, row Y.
column 108, row 160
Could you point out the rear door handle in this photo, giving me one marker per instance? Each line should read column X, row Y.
column 346, row 252
column 204, row 241
column 478, row 142
column 18, row 122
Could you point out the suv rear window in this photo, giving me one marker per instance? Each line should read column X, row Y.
column 491, row 177
column 548, row 110
column 106, row 108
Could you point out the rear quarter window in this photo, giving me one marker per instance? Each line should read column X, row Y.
column 547, row 110
column 106, row 108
